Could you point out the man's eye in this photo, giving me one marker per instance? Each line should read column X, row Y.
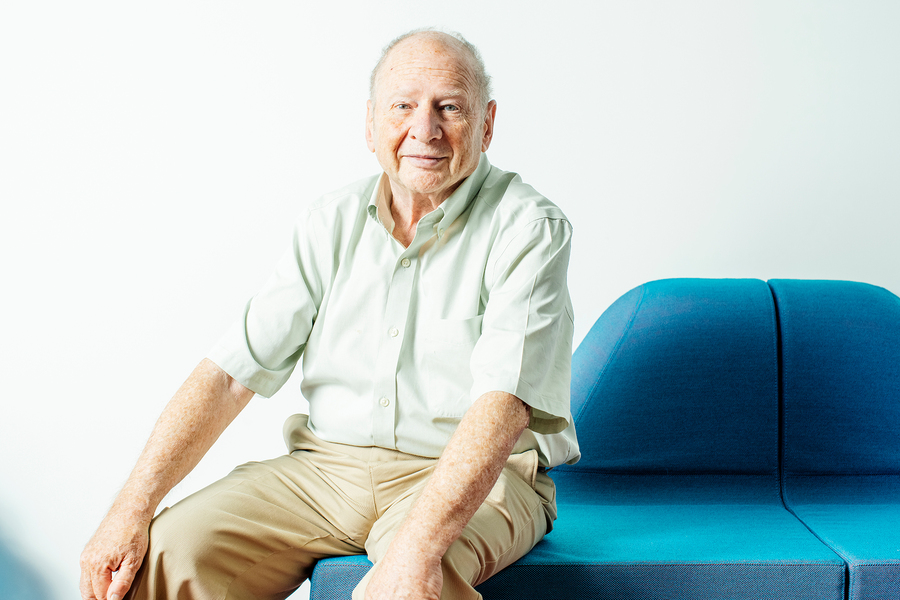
column 402, row 106
column 450, row 107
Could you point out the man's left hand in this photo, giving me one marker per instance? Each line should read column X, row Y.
column 406, row 577
column 464, row 475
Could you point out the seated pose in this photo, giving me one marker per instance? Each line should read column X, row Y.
column 429, row 309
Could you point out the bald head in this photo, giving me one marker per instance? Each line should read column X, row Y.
column 448, row 43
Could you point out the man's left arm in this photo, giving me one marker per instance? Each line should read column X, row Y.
column 464, row 476
column 525, row 349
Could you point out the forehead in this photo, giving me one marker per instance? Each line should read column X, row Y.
column 423, row 61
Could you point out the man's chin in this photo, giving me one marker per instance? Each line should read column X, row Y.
column 428, row 184
column 424, row 181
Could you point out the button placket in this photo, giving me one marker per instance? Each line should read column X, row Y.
column 396, row 312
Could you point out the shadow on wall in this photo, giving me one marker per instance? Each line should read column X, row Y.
column 20, row 580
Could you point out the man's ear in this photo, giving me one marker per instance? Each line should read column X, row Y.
column 370, row 133
column 490, row 113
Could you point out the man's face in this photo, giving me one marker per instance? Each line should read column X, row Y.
column 426, row 123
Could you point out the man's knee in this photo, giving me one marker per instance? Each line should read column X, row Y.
column 181, row 549
column 195, row 554
column 245, row 536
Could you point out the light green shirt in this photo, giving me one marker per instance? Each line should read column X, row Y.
column 396, row 343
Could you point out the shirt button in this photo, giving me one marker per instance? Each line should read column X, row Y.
column 405, row 263
column 384, row 402
column 394, row 332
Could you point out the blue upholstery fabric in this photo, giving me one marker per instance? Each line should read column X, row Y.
column 841, row 394
column 673, row 551
column 651, row 550
column 680, row 376
column 335, row 578
column 675, row 396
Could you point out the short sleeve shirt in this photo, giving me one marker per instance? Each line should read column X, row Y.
column 395, row 343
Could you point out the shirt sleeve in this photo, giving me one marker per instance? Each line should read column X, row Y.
column 525, row 346
column 262, row 347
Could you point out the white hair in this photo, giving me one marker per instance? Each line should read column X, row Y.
column 482, row 79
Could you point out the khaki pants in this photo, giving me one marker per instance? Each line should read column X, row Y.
column 258, row 532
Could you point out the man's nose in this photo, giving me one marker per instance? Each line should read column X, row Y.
column 426, row 124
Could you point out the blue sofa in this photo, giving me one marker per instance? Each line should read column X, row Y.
column 740, row 440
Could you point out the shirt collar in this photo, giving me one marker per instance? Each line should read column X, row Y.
column 443, row 215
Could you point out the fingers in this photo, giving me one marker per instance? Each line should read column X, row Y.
column 86, row 587
column 123, row 579
column 103, row 586
column 111, row 559
column 101, row 581
column 91, row 583
column 94, row 583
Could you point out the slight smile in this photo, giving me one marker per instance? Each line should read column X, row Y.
column 422, row 160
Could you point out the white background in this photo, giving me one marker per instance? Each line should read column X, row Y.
column 154, row 155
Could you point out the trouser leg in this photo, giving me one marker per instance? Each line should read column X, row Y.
column 257, row 533
column 515, row 516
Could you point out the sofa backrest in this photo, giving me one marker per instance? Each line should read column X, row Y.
column 680, row 376
column 840, row 354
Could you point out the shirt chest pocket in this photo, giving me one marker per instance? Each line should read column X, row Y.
column 447, row 346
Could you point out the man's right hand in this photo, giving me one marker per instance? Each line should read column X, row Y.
column 113, row 556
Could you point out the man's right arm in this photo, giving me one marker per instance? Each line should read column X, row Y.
column 192, row 421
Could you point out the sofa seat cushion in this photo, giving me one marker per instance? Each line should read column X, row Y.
column 686, row 551
column 859, row 517
column 656, row 537
column 335, row 578
column 725, row 551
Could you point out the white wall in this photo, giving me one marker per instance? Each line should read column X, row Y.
column 153, row 156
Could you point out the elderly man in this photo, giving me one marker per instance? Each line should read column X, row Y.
column 430, row 310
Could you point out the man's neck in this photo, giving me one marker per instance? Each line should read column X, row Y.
column 408, row 208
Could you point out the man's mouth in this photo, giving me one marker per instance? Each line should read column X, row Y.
column 424, row 159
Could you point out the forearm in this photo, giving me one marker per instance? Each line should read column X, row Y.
column 465, row 474
column 195, row 417
column 198, row 413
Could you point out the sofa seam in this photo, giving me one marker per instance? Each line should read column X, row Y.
column 781, row 442
column 779, row 366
